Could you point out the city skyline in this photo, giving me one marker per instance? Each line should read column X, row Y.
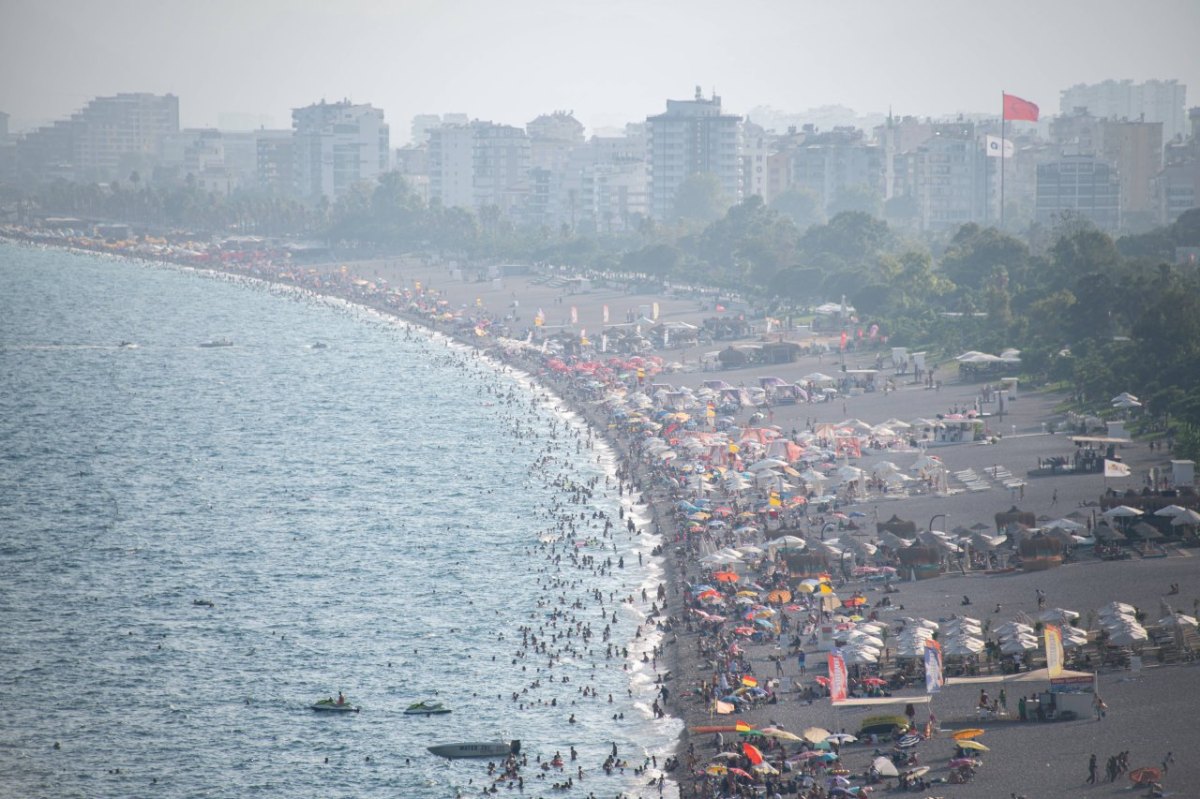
column 514, row 62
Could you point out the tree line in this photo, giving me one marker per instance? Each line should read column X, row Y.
column 1098, row 314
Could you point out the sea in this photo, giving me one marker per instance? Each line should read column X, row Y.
column 199, row 542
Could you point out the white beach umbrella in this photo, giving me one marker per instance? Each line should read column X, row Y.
column 1117, row 622
column 1015, row 646
column 884, row 468
column 1170, row 510
column 790, row 541
column 1188, row 517
column 1011, row 628
column 1122, row 512
column 962, row 646
column 1058, row 616
column 856, row 656
column 858, row 637
column 1178, row 620
column 1127, row 636
column 1114, row 608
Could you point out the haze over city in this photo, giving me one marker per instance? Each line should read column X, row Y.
column 611, row 62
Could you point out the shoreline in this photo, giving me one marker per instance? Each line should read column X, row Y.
column 935, row 598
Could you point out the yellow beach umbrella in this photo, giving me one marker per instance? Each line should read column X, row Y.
column 964, row 735
column 978, row 747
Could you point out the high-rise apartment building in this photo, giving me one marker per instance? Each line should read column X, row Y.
column 1162, row 101
column 477, row 165
column 692, row 137
column 336, row 145
column 106, row 140
column 833, row 162
column 1085, row 185
column 950, row 173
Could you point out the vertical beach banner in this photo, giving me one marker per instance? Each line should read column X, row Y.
column 604, row 311
column 1054, row 650
column 837, row 676
column 934, row 679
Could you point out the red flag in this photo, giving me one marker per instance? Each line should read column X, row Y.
column 742, row 726
column 843, row 345
column 1017, row 109
column 751, row 752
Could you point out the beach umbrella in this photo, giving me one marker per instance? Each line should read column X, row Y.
column 1178, row 620
column 1188, row 517
column 1121, row 512
column 893, row 541
column 1170, row 510
column 1115, row 608
column 860, row 637
column 1145, row 775
column 1013, row 628
column 1014, row 646
column 726, row 756
column 1127, row 636
column 962, row 647
column 1065, row 524
column 816, row 734
column 791, row 541
column 841, row 738
column 884, row 767
column 966, row 735
column 726, row 577
column 860, row 656
column 975, row 745
column 782, row 735
column 1058, row 616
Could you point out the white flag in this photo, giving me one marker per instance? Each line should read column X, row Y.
column 997, row 146
column 1115, row 469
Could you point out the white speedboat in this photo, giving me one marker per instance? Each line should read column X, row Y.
column 477, row 749
column 217, row 342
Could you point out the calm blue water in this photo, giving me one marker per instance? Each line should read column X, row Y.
column 365, row 517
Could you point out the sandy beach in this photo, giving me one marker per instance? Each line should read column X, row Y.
column 1150, row 711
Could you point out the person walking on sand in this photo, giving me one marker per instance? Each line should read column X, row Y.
column 1091, row 780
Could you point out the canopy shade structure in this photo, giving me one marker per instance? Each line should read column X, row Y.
column 874, row 701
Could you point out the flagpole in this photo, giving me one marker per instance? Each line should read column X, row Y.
column 1002, row 160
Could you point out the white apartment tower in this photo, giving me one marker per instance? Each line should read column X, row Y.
column 692, row 137
column 1162, row 101
column 336, row 145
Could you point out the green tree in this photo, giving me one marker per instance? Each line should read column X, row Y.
column 699, row 200
column 860, row 199
column 800, row 205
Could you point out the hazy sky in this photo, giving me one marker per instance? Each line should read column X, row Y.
column 609, row 61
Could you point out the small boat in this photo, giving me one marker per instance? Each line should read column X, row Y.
column 216, row 342
column 427, row 709
column 126, row 345
column 331, row 706
column 318, row 345
column 477, row 749
column 203, row 603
